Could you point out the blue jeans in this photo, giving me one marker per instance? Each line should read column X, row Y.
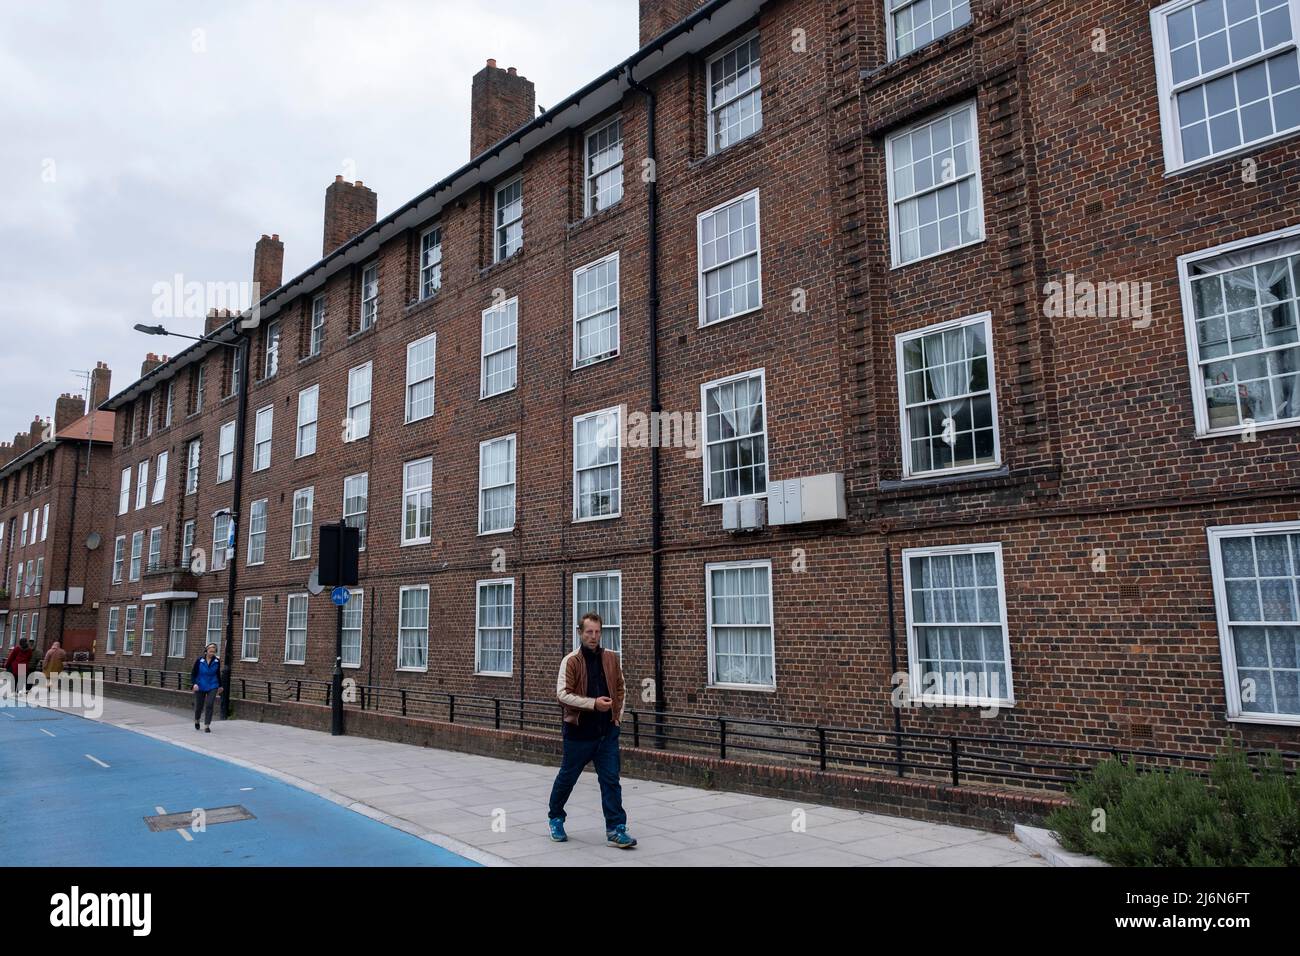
column 577, row 754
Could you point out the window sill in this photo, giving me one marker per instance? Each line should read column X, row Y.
column 741, row 147
column 506, row 675
column 309, row 359
column 601, row 215
column 420, row 306
column 935, row 255
column 1236, row 432
column 978, row 703
column 489, row 534
column 514, row 257
column 755, row 688
column 730, row 318
column 1255, row 147
column 412, row 670
column 596, row 361
column 416, row 543
column 1270, row 720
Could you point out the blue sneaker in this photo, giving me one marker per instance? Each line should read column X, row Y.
column 557, row 831
column 619, row 837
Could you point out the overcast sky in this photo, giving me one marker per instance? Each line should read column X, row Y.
column 144, row 138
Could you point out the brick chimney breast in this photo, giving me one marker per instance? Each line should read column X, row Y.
column 68, row 409
column 151, row 362
column 501, row 101
column 268, row 264
column 100, row 381
column 657, row 16
column 350, row 209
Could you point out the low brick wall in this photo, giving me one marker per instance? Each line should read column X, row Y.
column 972, row 806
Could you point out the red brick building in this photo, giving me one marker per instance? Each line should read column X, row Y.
column 961, row 291
column 53, row 511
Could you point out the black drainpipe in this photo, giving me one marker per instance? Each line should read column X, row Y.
column 656, row 515
column 72, row 524
column 893, row 657
column 236, row 507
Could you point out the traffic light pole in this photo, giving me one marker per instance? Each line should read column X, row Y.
column 336, row 696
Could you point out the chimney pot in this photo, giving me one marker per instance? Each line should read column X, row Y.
column 491, row 62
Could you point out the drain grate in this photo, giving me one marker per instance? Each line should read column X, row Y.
column 183, row 821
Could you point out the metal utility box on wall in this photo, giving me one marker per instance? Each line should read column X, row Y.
column 814, row 498
column 744, row 514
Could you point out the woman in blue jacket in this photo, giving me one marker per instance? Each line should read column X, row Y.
column 206, row 678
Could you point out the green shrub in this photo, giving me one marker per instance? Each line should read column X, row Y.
column 1238, row 817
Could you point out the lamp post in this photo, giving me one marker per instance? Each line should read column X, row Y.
column 232, row 566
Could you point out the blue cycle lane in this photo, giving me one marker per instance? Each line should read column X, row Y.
column 76, row 792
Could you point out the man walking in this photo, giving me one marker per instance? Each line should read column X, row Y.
column 206, row 678
column 591, row 694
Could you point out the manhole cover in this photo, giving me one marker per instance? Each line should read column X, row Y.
column 184, row 821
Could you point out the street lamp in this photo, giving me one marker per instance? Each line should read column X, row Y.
column 240, row 346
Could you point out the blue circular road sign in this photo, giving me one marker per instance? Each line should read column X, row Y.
column 341, row 596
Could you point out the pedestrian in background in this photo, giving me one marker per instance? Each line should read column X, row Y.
column 18, row 662
column 206, row 679
column 54, row 658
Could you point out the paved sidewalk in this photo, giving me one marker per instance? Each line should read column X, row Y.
column 455, row 799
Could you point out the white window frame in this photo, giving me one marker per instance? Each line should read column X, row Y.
column 369, row 316
column 353, row 432
column 590, row 194
column 123, row 499
column 905, row 433
column 617, row 412
column 193, row 458
column 137, row 557
column 704, row 435
column 715, row 108
column 513, row 484
column 288, row 626
column 295, row 539
column 478, row 627
column 316, row 335
column 915, row 676
column 976, row 176
column 119, row 558
column 271, row 368
column 255, row 536
column 154, row 560
column 226, row 456
column 709, row 638
column 188, row 532
column 211, row 634
column 307, row 426
column 364, row 525
column 500, row 230
column 897, row 6
column 111, row 631
column 418, row 493
column 578, row 360
column 1215, row 536
column 484, row 354
column 45, row 521
column 148, row 625
column 169, row 407
column 702, row 275
column 244, row 629
column 430, row 340
column 617, row 577
column 428, row 613
column 430, row 267
column 356, row 606
column 1171, row 137
column 151, row 409
column 141, row 488
column 177, row 636
column 1199, row 401
column 263, row 431
column 130, row 618
column 220, row 542
column 160, row 478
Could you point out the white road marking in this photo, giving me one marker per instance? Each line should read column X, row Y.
column 46, row 732
column 10, row 716
column 245, row 788
column 97, row 760
column 184, row 835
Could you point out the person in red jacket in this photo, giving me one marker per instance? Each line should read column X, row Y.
column 19, row 657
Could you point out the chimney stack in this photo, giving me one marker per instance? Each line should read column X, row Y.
column 38, row 431
column 657, row 16
column 68, row 409
column 151, row 362
column 100, row 379
column 501, row 101
column 22, row 442
column 350, row 209
column 268, row 264
column 217, row 318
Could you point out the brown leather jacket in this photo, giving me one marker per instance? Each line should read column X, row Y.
column 571, row 687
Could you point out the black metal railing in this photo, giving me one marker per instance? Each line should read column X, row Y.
column 945, row 757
